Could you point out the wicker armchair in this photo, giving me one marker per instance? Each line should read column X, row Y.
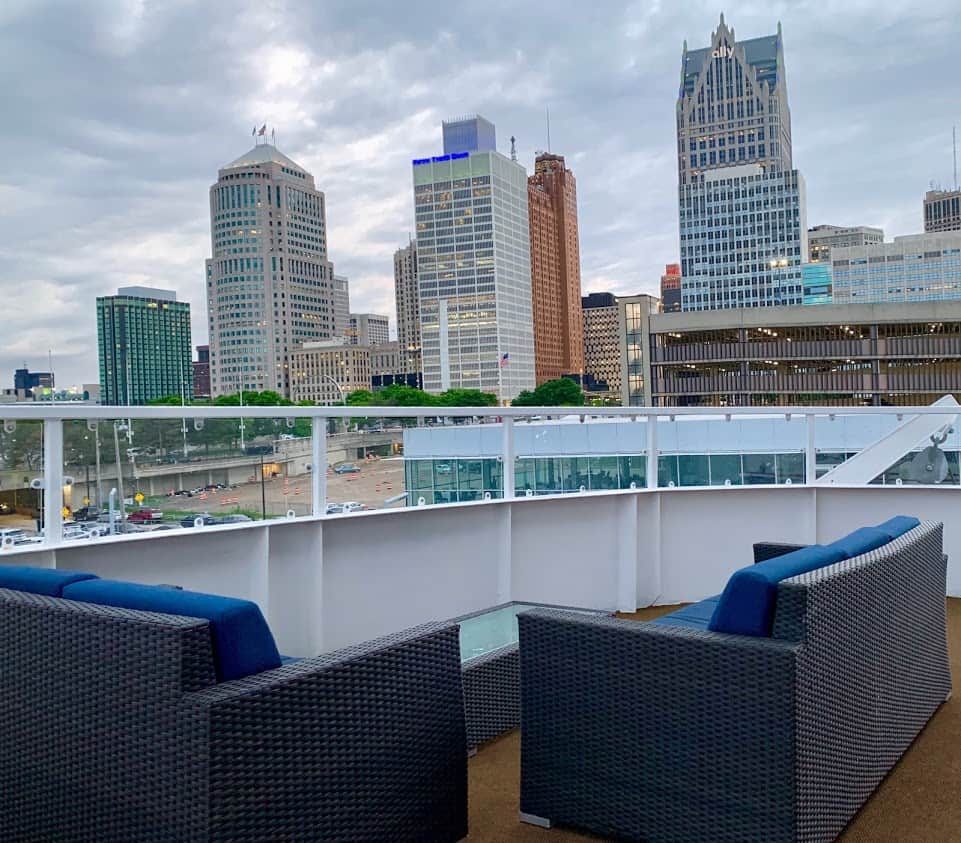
column 113, row 728
column 655, row 732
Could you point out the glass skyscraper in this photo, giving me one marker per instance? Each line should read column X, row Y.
column 474, row 273
column 743, row 224
column 143, row 336
column 469, row 134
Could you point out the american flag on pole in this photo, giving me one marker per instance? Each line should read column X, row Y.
column 505, row 359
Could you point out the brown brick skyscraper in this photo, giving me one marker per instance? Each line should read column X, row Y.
column 555, row 269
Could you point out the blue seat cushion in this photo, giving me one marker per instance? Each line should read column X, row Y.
column 242, row 641
column 861, row 541
column 695, row 616
column 47, row 581
column 899, row 525
column 746, row 606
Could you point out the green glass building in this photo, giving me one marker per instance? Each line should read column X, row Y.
column 143, row 336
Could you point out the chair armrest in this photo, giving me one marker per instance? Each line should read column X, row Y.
column 368, row 742
column 623, row 720
column 768, row 550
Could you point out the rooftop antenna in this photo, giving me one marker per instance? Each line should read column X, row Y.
column 548, row 128
column 513, row 148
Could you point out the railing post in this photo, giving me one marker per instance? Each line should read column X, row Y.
column 507, row 430
column 318, row 465
column 53, row 481
column 651, row 472
column 810, row 454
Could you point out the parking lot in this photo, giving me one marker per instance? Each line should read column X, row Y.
column 377, row 481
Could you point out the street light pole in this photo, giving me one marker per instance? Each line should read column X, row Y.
column 123, row 506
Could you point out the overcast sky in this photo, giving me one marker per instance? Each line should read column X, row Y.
column 117, row 114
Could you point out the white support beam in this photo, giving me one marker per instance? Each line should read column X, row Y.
column 508, row 451
column 651, row 473
column 53, row 482
column 318, row 465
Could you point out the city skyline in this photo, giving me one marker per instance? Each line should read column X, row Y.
column 110, row 187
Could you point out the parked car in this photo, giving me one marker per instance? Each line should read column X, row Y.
column 354, row 506
column 145, row 516
column 17, row 536
column 236, row 518
column 5, row 508
column 86, row 513
column 74, row 532
column 188, row 520
column 335, row 508
column 104, row 517
column 346, row 468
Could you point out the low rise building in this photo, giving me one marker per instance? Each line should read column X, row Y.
column 916, row 267
column 834, row 355
column 823, row 238
column 634, row 317
column 327, row 372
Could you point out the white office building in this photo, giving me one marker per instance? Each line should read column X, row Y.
column 474, row 273
column 269, row 282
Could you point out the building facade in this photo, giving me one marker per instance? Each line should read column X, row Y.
column 408, row 305
column 26, row 382
column 671, row 288
column 143, row 335
column 327, row 372
column 368, row 329
column 341, row 289
column 822, row 238
column 386, row 359
column 942, row 210
column 555, row 269
column 201, row 367
column 474, row 273
column 916, row 267
column 270, row 286
column 840, row 354
column 633, row 326
column 817, row 280
column 469, row 134
column 602, row 346
column 743, row 221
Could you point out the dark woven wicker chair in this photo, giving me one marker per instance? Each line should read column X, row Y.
column 113, row 728
column 656, row 732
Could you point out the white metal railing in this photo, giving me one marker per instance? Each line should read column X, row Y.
column 53, row 417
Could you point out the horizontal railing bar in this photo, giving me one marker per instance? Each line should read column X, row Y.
column 68, row 410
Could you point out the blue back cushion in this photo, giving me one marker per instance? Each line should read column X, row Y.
column 39, row 580
column 861, row 541
column 243, row 644
column 747, row 604
column 899, row 525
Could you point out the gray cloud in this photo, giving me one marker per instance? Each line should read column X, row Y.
column 118, row 114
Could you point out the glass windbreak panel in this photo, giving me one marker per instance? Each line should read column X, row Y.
column 524, row 476
column 603, row 473
column 839, row 437
column 693, row 469
column 574, row 473
column 547, row 475
column 759, row 469
column 790, row 467
column 21, row 464
column 726, row 470
column 667, row 470
column 633, row 469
